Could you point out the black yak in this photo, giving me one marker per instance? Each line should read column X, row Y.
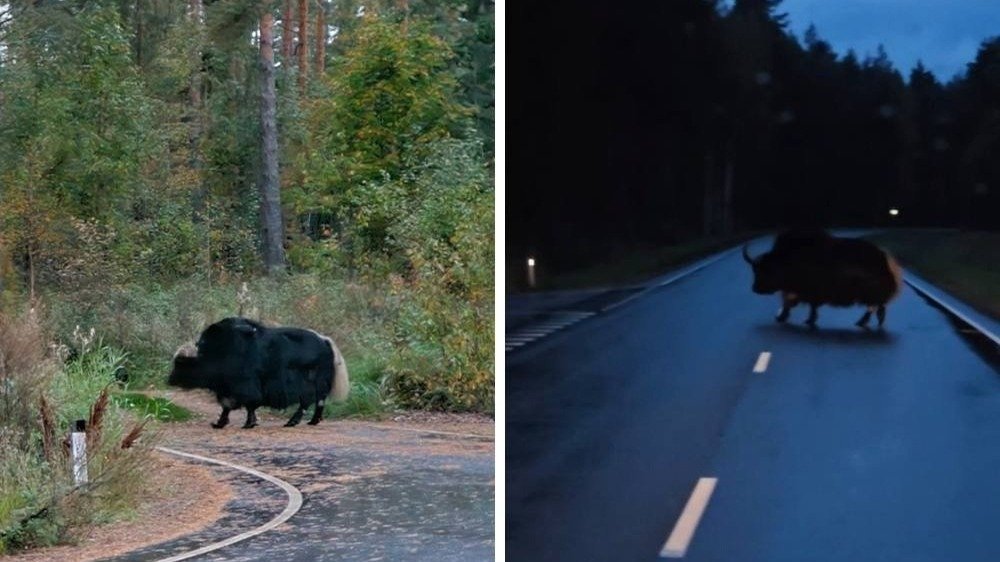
column 249, row 365
column 816, row 268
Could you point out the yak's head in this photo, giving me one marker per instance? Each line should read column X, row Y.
column 221, row 348
column 766, row 272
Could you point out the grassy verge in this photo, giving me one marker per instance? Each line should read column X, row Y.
column 160, row 409
column 641, row 263
column 42, row 392
column 966, row 264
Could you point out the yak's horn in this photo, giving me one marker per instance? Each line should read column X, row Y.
column 746, row 254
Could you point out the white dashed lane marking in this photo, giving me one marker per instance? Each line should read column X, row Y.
column 554, row 322
column 680, row 538
column 762, row 361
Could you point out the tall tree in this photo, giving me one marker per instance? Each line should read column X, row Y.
column 272, row 225
column 303, row 45
column 321, row 37
column 287, row 25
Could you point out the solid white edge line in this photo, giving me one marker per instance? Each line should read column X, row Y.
column 294, row 504
column 522, row 339
column 680, row 538
column 762, row 360
column 929, row 294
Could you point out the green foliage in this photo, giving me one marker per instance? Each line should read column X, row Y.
column 83, row 379
column 409, row 183
column 445, row 328
column 131, row 134
column 81, row 108
column 393, row 96
column 157, row 408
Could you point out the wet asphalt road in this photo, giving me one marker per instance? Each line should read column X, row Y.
column 417, row 497
column 852, row 445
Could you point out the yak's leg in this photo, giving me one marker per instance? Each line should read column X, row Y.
column 812, row 314
column 880, row 315
column 223, row 420
column 297, row 416
column 317, row 412
column 251, row 417
column 863, row 322
column 788, row 302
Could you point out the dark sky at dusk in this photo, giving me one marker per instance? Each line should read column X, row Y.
column 944, row 34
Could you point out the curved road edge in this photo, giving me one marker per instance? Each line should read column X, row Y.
column 294, row 504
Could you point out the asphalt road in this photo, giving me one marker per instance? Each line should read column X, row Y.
column 851, row 445
column 369, row 494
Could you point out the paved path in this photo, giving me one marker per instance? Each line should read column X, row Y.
column 370, row 493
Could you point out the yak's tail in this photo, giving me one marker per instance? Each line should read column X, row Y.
column 897, row 274
column 341, row 380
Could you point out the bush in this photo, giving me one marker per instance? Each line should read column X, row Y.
column 445, row 328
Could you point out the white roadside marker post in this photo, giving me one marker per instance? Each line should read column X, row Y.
column 78, row 441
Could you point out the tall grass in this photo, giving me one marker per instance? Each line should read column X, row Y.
column 398, row 354
column 41, row 392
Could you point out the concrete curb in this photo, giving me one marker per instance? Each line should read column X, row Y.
column 294, row 504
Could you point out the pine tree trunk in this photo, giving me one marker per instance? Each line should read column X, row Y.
column 303, row 45
column 196, row 17
column 270, row 187
column 320, row 53
column 286, row 35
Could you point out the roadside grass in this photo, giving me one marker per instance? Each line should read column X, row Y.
column 368, row 397
column 642, row 263
column 43, row 389
column 414, row 344
column 158, row 408
column 966, row 264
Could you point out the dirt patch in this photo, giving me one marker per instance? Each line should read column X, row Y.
column 187, row 496
column 207, row 410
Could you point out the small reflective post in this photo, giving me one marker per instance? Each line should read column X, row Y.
column 894, row 212
column 78, row 441
column 531, row 273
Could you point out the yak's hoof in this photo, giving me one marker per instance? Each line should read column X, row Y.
column 217, row 425
column 291, row 424
column 249, row 426
column 312, row 422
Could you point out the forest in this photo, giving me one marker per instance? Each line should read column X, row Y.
column 698, row 118
column 332, row 159
column 169, row 163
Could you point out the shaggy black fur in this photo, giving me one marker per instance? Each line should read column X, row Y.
column 249, row 365
column 816, row 268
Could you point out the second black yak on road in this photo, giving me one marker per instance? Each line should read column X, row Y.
column 816, row 268
column 249, row 365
